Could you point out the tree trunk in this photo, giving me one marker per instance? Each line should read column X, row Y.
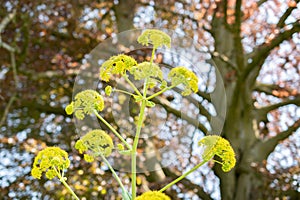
column 239, row 125
column 124, row 12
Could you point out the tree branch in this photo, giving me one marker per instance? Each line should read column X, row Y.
column 3, row 24
column 11, row 100
column 43, row 108
column 6, row 20
column 204, row 95
column 225, row 59
column 181, row 115
column 262, row 51
column 189, row 185
column 275, row 90
column 262, row 112
column 286, row 14
column 238, row 46
column 202, row 110
column 266, row 147
column 33, row 75
column 260, row 2
column 12, row 51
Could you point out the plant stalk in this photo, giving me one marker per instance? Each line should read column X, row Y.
column 113, row 130
column 132, row 85
column 134, row 148
column 114, row 173
column 61, row 179
column 183, row 176
column 138, row 131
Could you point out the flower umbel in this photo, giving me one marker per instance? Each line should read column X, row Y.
column 116, row 65
column 108, row 90
column 48, row 160
column 94, row 143
column 181, row 75
column 155, row 37
column 85, row 103
column 153, row 195
column 147, row 70
column 216, row 145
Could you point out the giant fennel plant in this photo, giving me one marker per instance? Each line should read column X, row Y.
column 53, row 161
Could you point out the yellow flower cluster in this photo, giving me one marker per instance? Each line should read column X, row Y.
column 155, row 37
column 146, row 70
column 94, row 143
column 116, row 65
column 47, row 160
column 108, row 90
column 153, row 195
column 216, row 145
column 181, row 75
column 85, row 103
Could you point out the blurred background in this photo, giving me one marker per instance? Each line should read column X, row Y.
column 255, row 45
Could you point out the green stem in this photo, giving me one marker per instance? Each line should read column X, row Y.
column 114, row 174
column 113, row 130
column 160, row 92
column 182, row 176
column 125, row 92
column 61, row 179
column 132, row 85
column 137, row 134
column 152, row 56
column 134, row 148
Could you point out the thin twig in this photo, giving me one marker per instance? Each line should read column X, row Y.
column 11, row 100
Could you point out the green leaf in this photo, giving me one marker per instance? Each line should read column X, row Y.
column 125, row 152
column 163, row 84
column 150, row 104
column 138, row 98
column 108, row 90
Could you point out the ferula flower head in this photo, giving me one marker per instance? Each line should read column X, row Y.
column 108, row 90
column 216, row 145
column 147, row 70
column 49, row 160
column 85, row 103
column 181, row 75
column 153, row 195
column 94, row 143
column 155, row 37
column 116, row 65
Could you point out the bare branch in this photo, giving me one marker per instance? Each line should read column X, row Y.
column 43, row 108
column 183, row 116
column 266, row 147
column 7, row 46
column 204, row 95
column 262, row 52
column 6, row 20
column 189, row 185
column 202, row 110
column 11, row 100
column 260, row 2
column 238, row 13
column 33, row 75
column 12, row 51
column 238, row 46
column 262, row 112
column 274, row 90
column 3, row 24
column 285, row 15
column 226, row 60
